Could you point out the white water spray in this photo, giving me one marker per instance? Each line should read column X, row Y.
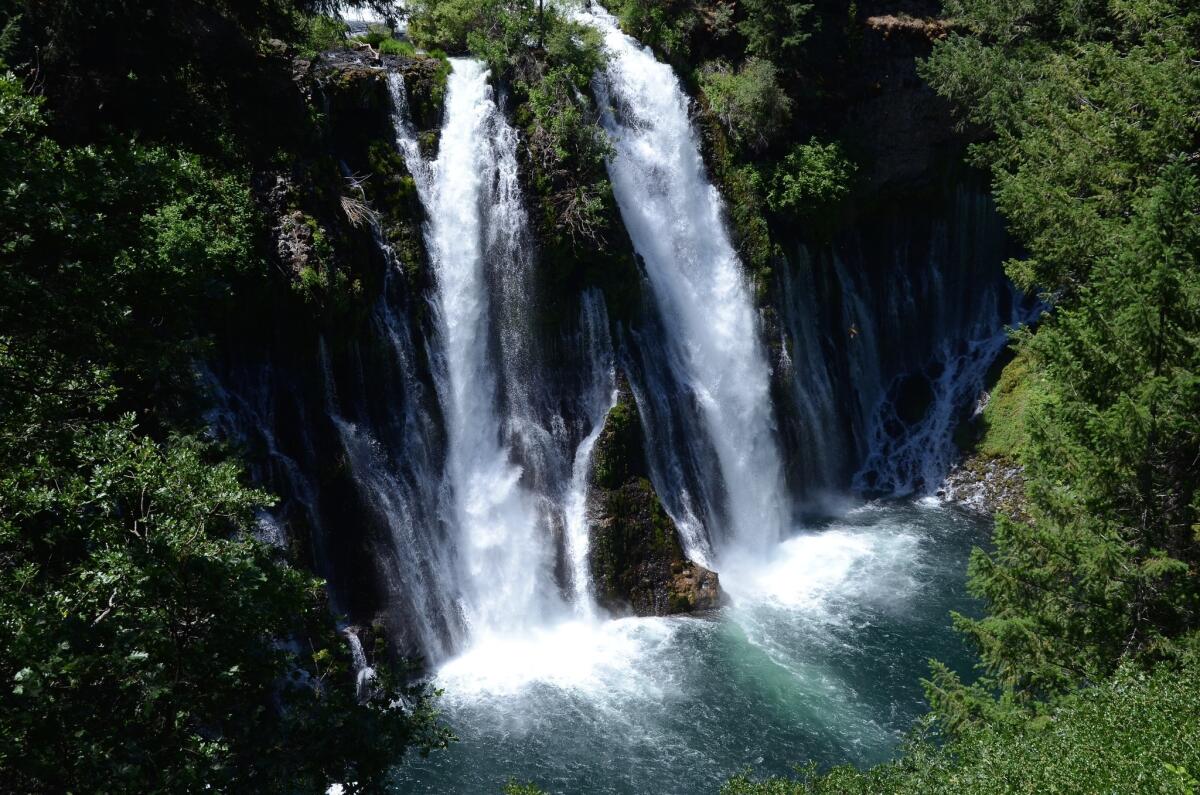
column 475, row 227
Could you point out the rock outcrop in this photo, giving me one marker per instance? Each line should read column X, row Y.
column 637, row 561
column 990, row 484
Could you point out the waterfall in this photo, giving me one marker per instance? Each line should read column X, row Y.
column 676, row 220
column 887, row 343
column 476, row 228
column 599, row 396
column 364, row 674
column 519, row 443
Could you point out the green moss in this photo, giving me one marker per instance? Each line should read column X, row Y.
column 393, row 193
column 1004, row 420
column 618, row 456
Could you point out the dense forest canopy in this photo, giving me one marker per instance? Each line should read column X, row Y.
column 148, row 641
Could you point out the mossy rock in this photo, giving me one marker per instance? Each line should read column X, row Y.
column 638, row 563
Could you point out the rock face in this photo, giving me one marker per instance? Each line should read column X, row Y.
column 636, row 559
column 991, row 484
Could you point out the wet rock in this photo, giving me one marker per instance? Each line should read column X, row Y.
column 988, row 484
column 638, row 564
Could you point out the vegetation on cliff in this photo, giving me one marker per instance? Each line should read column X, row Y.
column 147, row 641
column 1093, row 598
column 564, row 147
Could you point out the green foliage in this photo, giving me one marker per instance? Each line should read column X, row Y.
column 1134, row 733
column 774, row 29
column 1106, row 570
column 618, row 454
column 320, row 34
column 566, row 146
column 171, row 232
column 1095, row 167
column 1005, row 425
column 136, row 618
column 749, row 101
column 515, row 788
column 1088, row 101
column 376, row 35
column 390, row 46
column 669, row 26
column 812, row 177
column 148, row 642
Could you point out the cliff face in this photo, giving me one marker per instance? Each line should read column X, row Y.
column 329, row 385
column 325, row 383
column 637, row 561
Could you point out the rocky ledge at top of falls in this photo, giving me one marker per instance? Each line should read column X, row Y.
column 635, row 556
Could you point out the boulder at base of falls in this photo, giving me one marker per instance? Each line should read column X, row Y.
column 637, row 561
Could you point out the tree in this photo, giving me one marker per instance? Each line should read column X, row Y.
column 775, row 29
column 1095, row 166
column 147, row 641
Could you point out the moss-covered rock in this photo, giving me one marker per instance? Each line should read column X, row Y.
column 637, row 561
column 425, row 79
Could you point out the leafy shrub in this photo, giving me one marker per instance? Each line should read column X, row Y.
column 1133, row 733
column 322, row 33
column 749, row 102
column 775, row 29
column 666, row 25
column 812, row 177
column 390, row 46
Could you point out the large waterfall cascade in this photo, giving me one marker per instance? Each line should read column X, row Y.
column 484, row 507
column 675, row 217
column 516, row 477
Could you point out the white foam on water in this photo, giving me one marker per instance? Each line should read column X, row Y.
column 586, row 656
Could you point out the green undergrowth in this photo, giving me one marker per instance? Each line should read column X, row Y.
column 1005, row 432
column 1137, row 732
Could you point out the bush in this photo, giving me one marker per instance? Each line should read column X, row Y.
column 749, row 102
column 775, row 28
column 812, row 177
column 322, row 33
column 392, row 46
column 1134, row 733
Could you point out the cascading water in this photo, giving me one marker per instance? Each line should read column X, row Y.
column 675, row 218
column 465, row 441
column 368, row 409
column 880, row 364
column 599, row 396
column 476, row 229
column 519, row 444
